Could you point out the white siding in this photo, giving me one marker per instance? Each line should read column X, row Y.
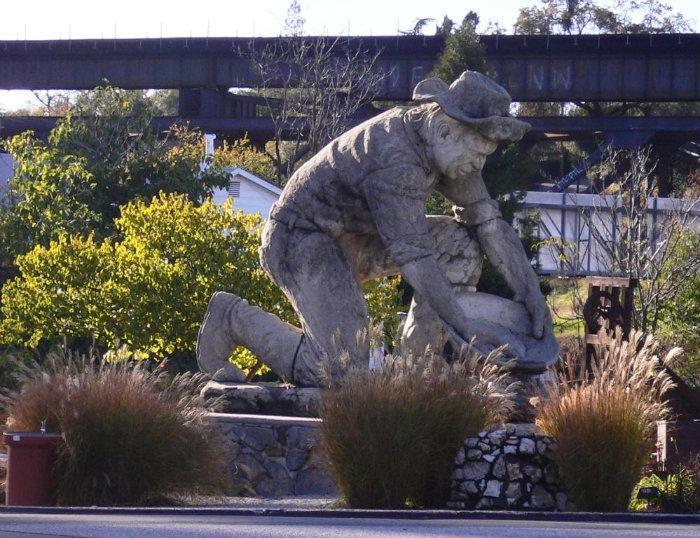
column 248, row 195
column 6, row 168
column 569, row 246
column 253, row 198
column 219, row 196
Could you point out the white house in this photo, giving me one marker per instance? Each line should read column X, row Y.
column 250, row 193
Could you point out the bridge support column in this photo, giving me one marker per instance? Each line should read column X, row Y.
column 203, row 102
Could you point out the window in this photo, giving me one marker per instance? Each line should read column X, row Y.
column 234, row 189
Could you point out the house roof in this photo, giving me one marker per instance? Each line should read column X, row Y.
column 242, row 172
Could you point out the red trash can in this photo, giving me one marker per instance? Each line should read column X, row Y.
column 30, row 461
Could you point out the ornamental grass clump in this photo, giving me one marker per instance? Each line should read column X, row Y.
column 603, row 418
column 392, row 435
column 130, row 436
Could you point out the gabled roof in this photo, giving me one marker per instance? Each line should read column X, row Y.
column 238, row 171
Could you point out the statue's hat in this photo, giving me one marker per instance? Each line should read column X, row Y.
column 477, row 101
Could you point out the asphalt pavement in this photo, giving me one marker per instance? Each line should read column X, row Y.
column 176, row 525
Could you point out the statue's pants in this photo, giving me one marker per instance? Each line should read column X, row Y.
column 322, row 276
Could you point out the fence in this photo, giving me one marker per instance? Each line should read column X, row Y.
column 569, row 245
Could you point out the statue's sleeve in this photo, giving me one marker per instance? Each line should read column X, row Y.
column 396, row 199
column 473, row 204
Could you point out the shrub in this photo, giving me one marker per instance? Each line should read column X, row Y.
column 147, row 292
column 391, row 436
column 679, row 491
column 241, row 153
column 602, row 420
column 130, row 437
column 100, row 156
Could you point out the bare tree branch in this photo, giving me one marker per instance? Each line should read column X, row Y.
column 632, row 235
column 313, row 87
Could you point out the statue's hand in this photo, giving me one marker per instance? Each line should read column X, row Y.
column 537, row 307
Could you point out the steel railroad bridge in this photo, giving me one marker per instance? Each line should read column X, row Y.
column 561, row 68
column 639, row 67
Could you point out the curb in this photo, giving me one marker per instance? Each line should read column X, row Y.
column 597, row 517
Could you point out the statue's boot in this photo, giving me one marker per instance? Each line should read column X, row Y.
column 230, row 322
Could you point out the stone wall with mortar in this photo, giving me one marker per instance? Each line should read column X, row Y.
column 510, row 468
column 275, row 456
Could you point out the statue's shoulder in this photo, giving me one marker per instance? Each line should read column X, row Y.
column 389, row 121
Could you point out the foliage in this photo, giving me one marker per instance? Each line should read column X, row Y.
column 595, row 17
column 507, row 174
column 147, row 292
column 462, row 49
column 383, row 296
column 679, row 491
column 437, row 204
column 60, row 103
column 602, row 420
column 240, row 153
column 111, row 130
column 564, row 303
column 680, row 318
column 101, row 156
column 129, row 437
column 49, row 195
column 391, row 436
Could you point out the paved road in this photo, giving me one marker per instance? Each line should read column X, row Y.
column 176, row 526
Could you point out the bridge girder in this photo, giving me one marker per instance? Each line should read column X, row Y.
column 640, row 67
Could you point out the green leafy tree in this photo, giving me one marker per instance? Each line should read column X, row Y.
column 110, row 129
column 48, row 195
column 680, row 315
column 241, row 153
column 383, row 297
column 462, row 49
column 145, row 294
column 593, row 17
column 98, row 158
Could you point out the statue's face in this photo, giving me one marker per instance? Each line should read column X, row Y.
column 458, row 150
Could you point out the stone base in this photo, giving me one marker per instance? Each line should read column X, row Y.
column 274, row 456
column 509, row 468
column 262, row 398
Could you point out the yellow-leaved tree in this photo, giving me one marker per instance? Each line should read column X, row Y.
column 145, row 293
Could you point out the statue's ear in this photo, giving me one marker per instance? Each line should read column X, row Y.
column 427, row 89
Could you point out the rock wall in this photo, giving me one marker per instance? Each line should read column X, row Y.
column 509, row 468
column 274, row 456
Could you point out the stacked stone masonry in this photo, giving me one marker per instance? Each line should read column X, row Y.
column 273, row 456
column 510, row 468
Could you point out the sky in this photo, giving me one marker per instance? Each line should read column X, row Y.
column 78, row 19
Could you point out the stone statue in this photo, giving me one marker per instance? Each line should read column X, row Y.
column 356, row 211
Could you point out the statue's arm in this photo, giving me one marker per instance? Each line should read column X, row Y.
column 401, row 222
column 499, row 241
